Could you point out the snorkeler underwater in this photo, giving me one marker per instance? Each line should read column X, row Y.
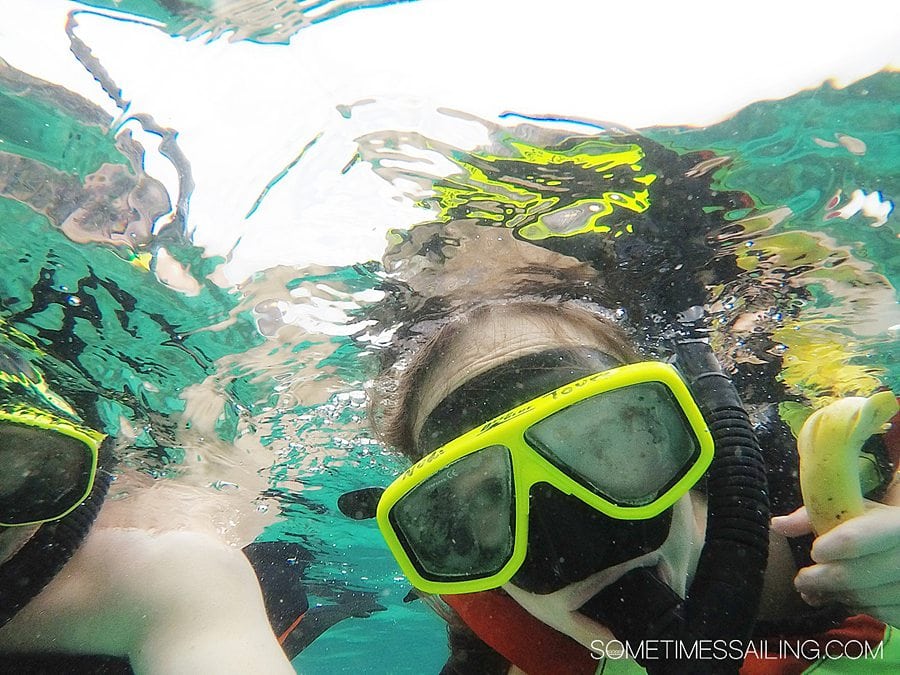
column 329, row 344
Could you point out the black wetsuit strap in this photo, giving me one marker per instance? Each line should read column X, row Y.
column 70, row 664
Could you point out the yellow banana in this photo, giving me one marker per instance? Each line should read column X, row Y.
column 829, row 444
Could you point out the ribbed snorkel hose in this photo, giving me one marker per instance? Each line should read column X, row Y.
column 717, row 617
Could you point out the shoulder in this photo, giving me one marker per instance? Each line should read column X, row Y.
column 148, row 595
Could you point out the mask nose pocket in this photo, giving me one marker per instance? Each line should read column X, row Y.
column 569, row 541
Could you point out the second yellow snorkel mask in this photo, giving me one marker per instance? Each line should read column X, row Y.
column 629, row 442
column 48, row 465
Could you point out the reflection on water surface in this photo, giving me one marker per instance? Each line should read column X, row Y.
column 246, row 397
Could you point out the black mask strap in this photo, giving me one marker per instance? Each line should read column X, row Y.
column 510, row 384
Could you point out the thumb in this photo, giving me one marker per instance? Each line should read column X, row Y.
column 793, row 524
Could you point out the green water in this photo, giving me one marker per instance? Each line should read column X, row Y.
column 122, row 347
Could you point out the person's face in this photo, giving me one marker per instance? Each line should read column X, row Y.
column 492, row 339
column 485, row 345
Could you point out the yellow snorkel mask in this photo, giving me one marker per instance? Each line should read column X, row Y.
column 591, row 468
column 48, row 465
column 628, row 442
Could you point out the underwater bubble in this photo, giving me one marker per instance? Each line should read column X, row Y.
column 222, row 485
column 691, row 314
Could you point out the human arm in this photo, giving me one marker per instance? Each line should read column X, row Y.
column 857, row 552
column 209, row 613
column 171, row 602
column 857, row 563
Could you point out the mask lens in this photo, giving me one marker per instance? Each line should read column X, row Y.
column 627, row 445
column 44, row 473
column 459, row 523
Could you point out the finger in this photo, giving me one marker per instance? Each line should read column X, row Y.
column 850, row 575
column 794, row 524
column 875, row 531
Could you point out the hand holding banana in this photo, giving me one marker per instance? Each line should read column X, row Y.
column 829, row 445
column 857, row 550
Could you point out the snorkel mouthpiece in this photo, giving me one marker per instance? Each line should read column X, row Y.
column 723, row 600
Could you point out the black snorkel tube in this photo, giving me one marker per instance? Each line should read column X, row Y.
column 722, row 602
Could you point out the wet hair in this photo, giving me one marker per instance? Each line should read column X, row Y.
column 398, row 392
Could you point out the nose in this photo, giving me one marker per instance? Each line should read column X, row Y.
column 568, row 540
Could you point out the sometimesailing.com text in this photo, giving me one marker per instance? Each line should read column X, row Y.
column 721, row 650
